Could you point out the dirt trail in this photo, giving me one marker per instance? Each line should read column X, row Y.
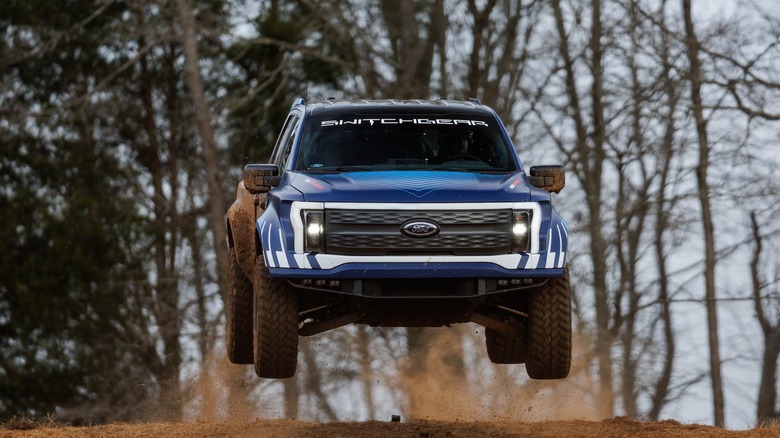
column 441, row 406
column 618, row 427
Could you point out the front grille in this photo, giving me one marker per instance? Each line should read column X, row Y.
column 378, row 232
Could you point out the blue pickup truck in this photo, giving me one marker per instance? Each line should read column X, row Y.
column 397, row 214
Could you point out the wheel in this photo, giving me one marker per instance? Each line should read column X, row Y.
column 549, row 330
column 503, row 348
column 275, row 325
column 238, row 313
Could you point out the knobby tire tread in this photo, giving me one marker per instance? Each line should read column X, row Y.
column 238, row 313
column 275, row 326
column 503, row 348
column 549, row 331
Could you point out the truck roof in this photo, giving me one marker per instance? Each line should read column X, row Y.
column 396, row 106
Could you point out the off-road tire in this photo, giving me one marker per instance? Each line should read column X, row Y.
column 238, row 313
column 549, row 330
column 275, row 325
column 503, row 348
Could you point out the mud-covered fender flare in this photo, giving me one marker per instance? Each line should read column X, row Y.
column 241, row 228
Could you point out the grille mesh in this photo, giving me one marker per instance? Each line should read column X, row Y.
column 372, row 217
column 378, row 232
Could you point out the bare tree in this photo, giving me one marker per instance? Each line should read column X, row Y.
column 632, row 211
column 412, row 45
column 696, row 79
column 671, row 94
column 587, row 159
column 767, row 390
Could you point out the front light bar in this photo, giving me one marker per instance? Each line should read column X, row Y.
column 314, row 230
column 521, row 230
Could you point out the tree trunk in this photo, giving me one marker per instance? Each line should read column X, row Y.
column 165, row 303
column 203, row 119
column 659, row 397
column 313, row 382
column 767, row 390
column 481, row 22
column 412, row 56
column 588, row 164
column 363, row 340
column 706, row 216
column 292, row 394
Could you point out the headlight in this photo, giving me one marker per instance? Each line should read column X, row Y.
column 314, row 229
column 521, row 230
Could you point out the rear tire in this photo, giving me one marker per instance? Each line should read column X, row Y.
column 275, row 325
column 503, row 348
column 238, row 313
column 549, row 330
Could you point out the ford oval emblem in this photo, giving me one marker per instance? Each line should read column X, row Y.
column 420, row 228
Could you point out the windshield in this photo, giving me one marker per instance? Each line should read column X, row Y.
column 347, row 143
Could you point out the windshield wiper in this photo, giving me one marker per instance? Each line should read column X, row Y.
column 470, row 170
column 354, row 168
column 339, row 169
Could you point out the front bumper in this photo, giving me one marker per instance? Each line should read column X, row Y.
column 419, row 269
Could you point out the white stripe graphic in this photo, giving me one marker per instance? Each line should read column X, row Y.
column 560, row 247
column 302, row 261
column 533, row 261
column 269, row 258
column 550, row 255
column 283, row 262
column 549, row 240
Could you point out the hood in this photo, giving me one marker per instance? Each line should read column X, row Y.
column 412, row 186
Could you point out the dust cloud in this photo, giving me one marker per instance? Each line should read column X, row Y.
column 222, row 391
column 489, row 392
column 440, row 388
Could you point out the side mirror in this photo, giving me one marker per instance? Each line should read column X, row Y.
column 550, row 178
column 260, row 178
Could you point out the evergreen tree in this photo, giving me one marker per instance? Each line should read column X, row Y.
column 70, row 325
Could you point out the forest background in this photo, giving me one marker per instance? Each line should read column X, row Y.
column 124, row 126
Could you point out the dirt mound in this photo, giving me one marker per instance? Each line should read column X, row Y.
column 617, row 427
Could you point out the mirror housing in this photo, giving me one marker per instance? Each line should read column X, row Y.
column 260, row 178
column 550, row 178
